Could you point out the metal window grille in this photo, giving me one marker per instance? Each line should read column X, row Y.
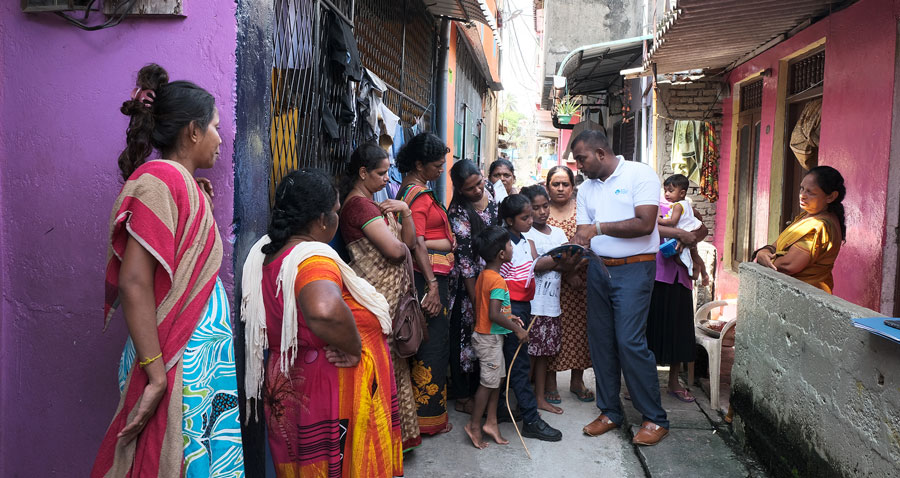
column 470, row 89
column 807, row 73
column 53, row 5
column 396, row 40
column 751, row 95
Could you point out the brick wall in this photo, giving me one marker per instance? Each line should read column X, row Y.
column 812, row 394
column 695, row 101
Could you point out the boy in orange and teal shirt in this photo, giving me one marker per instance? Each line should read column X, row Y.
column 493, row 320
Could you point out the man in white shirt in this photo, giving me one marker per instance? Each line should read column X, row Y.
column 617, row 210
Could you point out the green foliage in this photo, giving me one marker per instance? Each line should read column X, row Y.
column 567, row 106
column 512, row 119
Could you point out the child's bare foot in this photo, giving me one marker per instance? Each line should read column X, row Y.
column 493, row 431
column 543, row 404
column 475, row 436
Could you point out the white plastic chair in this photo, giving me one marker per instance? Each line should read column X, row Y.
column 713, row 347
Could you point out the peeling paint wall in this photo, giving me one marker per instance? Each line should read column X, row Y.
column 60, row 135
column 252, row 173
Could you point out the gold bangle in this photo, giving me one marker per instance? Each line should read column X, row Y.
column 407, row 215
column 145, row 362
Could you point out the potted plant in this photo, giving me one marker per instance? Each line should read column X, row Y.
column 566, row 107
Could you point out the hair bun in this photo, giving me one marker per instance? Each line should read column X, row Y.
column 152, row 77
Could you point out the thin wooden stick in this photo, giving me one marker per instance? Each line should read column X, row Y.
column 508, row 407
column 591, row 255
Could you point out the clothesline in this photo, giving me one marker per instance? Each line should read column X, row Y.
column 657, row 115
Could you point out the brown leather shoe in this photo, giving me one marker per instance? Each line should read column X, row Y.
column 599, row 426
column 649, row 434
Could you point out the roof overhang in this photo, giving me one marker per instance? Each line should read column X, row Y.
column 473, row 42
column 466, row 11
column 705, row 34
column 591, row 69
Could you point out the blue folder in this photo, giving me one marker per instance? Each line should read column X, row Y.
column 876, row 326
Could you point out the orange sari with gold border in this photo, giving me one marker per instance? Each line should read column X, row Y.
column 325, row 421
column 821, row 237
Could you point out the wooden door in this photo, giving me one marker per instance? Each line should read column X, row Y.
column 748, row 137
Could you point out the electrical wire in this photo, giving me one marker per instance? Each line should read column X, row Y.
column 119, row 13
column 518, row 49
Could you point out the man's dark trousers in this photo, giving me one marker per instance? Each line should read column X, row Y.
column 617, row 307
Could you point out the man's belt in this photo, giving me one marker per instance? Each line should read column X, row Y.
column 629, row 260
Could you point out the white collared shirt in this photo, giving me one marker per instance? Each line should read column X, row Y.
column 632, row 184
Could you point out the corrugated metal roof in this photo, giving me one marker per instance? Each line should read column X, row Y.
column 473, row 40
column 717, row 33
column 593, row 68
column 465, row 11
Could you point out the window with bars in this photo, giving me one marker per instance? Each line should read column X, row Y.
column 110, row 7
column 747, row 136
column 751, row 95
column 395, row 40
column 807, row 73
column 470, row 89
column 806, row 77
column 34, row 6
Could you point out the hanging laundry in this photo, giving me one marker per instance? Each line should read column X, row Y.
column 347, row 110
column 805, row 137
column 329, row 124
column 389, row 121
column 399, row 141
column 686, row 150
column 342, row 49
column 709, row 171
column 369, row 102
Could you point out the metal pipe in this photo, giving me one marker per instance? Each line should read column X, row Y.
column 343, row 16
column 403, row 56
column 404, row 96
column 440, row 100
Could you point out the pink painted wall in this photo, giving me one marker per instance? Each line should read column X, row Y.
column 60, row 135
column 565, row 135
column 855, row 137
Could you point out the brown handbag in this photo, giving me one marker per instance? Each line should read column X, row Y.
column 410, row 329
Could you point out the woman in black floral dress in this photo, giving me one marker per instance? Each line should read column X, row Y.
column 471, row 210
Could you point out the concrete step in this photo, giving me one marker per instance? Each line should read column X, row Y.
column 690, row 453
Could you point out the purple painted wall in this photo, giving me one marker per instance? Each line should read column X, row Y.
column 60, row 135
column 855, row 137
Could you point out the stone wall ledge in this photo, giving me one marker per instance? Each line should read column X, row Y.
column 812, row 394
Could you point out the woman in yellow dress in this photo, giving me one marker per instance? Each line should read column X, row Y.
column 807, row 249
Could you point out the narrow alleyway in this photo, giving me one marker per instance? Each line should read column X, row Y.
column 695, row 447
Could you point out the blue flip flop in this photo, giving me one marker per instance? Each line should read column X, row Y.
column 585, row 395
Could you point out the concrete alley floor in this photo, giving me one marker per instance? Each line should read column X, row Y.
column 695, row 447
